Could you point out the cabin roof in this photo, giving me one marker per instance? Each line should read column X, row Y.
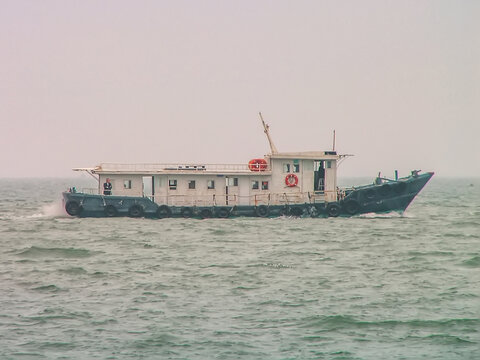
column 307, row 155
column 199, row 169
column 179, row 169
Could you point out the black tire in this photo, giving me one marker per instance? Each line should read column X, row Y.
column 400, row 187
column 163, row 212
column 384, row 190
column 262, row 211
column 351, row 206
column 186, row 212
column 333, row 209
column 73, row 208
column 135, row 211
column 206, row 213
column 369, row 194
column 110, row 211
column 296, row 211
column 223, row 213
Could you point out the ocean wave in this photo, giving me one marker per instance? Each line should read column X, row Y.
column 473, row 262
column 47, row 288
column 389, row 215
column 39, row 252
column 443, row 339
column 346, row 321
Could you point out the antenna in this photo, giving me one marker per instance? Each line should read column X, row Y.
column 334, row 138
column 267, row 132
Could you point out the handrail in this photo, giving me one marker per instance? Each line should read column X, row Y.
column 233, row 199
column 184, row 167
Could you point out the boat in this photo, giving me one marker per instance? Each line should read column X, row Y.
column 297, row 184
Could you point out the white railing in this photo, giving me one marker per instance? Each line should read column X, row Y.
column 148, row 167
column 90, row 191
column 233, row 199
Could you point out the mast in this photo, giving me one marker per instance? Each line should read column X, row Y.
column 267, row 132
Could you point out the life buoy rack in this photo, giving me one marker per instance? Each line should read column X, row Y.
column 291, row 180
column 257, row 165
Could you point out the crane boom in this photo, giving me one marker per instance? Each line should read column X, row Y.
column 267, row 132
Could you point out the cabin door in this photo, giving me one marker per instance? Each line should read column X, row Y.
column 149, row 187
column 319, row 176
column 243, row 197
column 231, row 191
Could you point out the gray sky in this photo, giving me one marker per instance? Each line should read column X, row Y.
column 83, row 82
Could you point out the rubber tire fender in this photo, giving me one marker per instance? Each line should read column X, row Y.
column 163, row 211
column 186, row 212
column 206, row 213
column 110, row 211
column 262, row 211
column 351, row 206
column 333, row 209
column 73, row 208
column 135, row 211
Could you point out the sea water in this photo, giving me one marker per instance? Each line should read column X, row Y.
column 367, row 287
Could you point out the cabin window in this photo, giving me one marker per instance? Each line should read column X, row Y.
column 232, row 181
column 264, row 185
column 211, row 184
column 127, row 184
column 191, row 184
column 172, row 184
column 329, row 164
column 254, row 184
column 286, row 168
column 296, row 168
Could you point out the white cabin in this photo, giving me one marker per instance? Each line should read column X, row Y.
column 286, row 178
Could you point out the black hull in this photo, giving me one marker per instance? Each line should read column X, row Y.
column 387, row 197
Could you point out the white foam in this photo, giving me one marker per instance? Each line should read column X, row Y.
column 52, row 210
column 389, row 215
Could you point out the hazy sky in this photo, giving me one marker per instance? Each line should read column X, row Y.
column 84, row 82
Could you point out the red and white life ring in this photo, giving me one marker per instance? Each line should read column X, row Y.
column 291, row 180
column 257, row 165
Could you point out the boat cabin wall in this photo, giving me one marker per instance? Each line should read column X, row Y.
column 330, row 180
column 123, row 185
column 304, row 171
column 300, row 170
column 248, row 188
column 191, row 189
